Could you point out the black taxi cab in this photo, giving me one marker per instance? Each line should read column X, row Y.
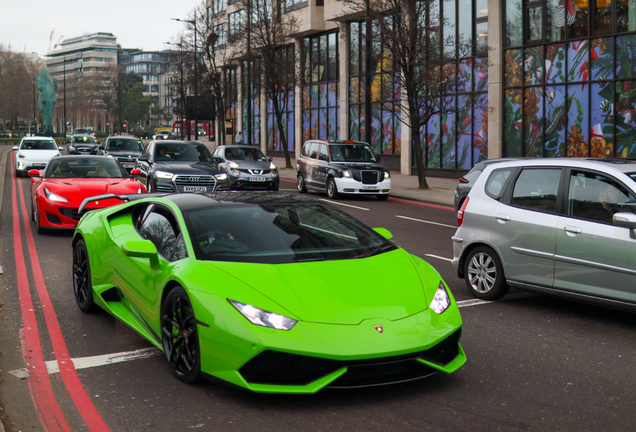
column 342, row 167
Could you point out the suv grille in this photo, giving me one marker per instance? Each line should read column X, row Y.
column 369, row 177
column 195, row 181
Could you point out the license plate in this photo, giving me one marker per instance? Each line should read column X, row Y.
column 39, row 164
column 195, row 189
column 256, row 179
column 369, row 187
column 129, row 165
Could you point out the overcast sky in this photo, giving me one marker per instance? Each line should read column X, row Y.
column 143, row 24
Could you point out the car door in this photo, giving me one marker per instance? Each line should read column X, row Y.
column 322, row 167
column 312, row 165
column 302, row 161
column 523, row 226
column 594, row 256
column 140, row 281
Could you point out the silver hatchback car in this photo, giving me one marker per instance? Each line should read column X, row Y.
column 560, row 226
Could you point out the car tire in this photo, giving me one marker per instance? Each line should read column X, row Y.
column 275, row 188
column 40, row 228
column 180, row 337
column 332, row 189
column 484, row 275
column 300, row 184
column 82, row 279
column 32, row 212
column 382, row 197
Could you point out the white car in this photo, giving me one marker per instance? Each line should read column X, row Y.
column 34, row 153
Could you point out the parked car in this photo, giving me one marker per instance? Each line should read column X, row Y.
column 83, row 144
column 272, row 292
column 126, row 149
column 342, row 167
column 563, row 226
column 58, row 191
column 34, row 152
column 247, row 167
column 467, row 181
column 180, row 166
column 5, row 134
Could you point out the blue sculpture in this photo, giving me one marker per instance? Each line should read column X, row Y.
column 47, row 86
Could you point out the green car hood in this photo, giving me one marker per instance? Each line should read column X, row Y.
column 341, row 291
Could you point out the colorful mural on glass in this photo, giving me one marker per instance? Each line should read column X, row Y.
column 286, row 102
column 321, row 111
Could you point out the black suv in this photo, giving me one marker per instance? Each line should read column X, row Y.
column 83, row 144
column 180, row 166
column 126, row 149
column 342, row 167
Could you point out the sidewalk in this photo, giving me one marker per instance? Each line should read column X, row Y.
column 442, row 190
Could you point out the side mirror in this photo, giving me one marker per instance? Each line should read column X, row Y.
column 143, row 158
column 15, row 147
column 270, row 159
column 141, row 249
column 101, row 147
column 625, row 220
column 377, row 158
column 384, row 233
column 35, row 173
column 135, row 172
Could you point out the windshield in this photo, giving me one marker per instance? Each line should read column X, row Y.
column 182, row 153
column 83, row 131
column 125, row 145
column 351, row 153
column 38, row 145
column 281, row 233
column 244, row 154
column 84, row 167
column 84, row 140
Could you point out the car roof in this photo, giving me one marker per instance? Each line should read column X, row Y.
column 623, row 165
column 176, row 142
column 337, row 142
column 37, row 138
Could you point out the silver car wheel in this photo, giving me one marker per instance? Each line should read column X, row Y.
column 482, row 272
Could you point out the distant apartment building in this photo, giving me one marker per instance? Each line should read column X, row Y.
column 84, row 68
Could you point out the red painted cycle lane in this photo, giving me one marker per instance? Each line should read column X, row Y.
column 42, row 394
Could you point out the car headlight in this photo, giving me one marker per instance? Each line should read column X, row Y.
column 20, row 155
column 21, row 165
column 235, row 173
column 139, row 189
column 272, row 166
column 386, row 175
column 54, row 197
column 71, row 147
column 164, row 175
column 222, row 176
column 441, row 300
column 233, row 164
column 346, row 173
column 264, row 318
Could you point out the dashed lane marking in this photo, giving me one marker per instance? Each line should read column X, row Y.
column 426, row 222
column 439, row 257
column 478, row 302
column 343, row 204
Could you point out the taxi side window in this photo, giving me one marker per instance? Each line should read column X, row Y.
column 536, row 189
column 323, row 153
column 313, row 150
column 305, row 151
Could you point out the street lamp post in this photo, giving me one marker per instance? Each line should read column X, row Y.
column 196, row 93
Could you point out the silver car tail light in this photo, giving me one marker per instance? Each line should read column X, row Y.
column 460, row 213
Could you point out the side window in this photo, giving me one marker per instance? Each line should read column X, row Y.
column 536, row 189
column 160, row 228
column 305, row 151
column 596, row 197
column 496, row 183
column 313, row 150
column 323, row 153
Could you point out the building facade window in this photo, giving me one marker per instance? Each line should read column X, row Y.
column 385, row 93
column 218, row 7
column 320, row 98
column 251, row 93
column 291, row 5
column 231, row 93
column 221, row 31
column 261, row 10
column 570, row 79
column 286, row 102
column 236, row 23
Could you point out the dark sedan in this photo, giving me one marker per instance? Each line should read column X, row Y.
column 247, row 167
column 84, row 145
column 126, row 149
column 180, row 166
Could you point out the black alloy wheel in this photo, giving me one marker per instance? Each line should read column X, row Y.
column 180, row 337
column 484, row 274
column 332, row 189
column 82, row 284
column 300, row 184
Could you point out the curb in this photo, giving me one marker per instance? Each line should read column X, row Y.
column 3, row 170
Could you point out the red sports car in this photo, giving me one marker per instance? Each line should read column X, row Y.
column 58, row 191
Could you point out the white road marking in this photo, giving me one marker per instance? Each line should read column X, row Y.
column 478, row 302
column 428, row 222
column 343, row 204
column 438, row 257
column 52, row 366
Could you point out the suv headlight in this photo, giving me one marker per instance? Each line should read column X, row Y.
column 272, row 166
column 262, row 317
column 386, row 175
column 441, row 300
column 164, row 175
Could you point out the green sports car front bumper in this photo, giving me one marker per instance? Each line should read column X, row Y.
column 313, row 356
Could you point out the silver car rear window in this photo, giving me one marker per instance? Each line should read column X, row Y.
column 497, row 181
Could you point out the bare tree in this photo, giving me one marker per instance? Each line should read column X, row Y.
column 17, row 80
column 410, row 30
